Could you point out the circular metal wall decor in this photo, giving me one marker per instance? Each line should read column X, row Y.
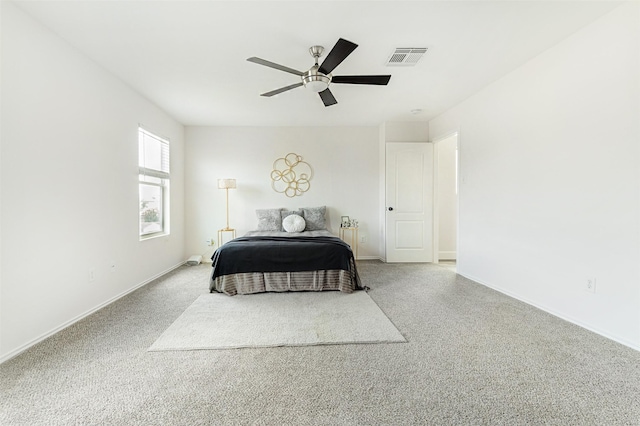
column 291, row 176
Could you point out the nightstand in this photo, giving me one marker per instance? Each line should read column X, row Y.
column 354, row 238
column 222, row 231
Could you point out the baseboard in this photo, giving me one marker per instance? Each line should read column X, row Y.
column 72, row 321
column 555, row 313
column 368, row 258
column 447, row 255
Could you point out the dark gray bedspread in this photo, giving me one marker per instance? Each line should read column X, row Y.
column 281, row 254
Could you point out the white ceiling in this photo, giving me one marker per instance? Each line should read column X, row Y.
column 189, row 57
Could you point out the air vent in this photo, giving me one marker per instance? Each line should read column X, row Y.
column 406, row 56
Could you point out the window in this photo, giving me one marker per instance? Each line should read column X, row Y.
column 153, row 166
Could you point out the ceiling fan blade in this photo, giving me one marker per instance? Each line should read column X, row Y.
column 280, row 90
column 380, row 80
column 327, row 97
column 274, row 65
column 340, row 51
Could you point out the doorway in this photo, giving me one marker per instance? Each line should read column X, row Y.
column 446, row 199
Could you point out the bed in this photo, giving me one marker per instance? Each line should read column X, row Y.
column 278, row 261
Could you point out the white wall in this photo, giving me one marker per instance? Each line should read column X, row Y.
column 550, row 184
column 69, row 185
column 406, row 131
column 345, row 166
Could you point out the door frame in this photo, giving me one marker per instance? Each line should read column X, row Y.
column 436, row 198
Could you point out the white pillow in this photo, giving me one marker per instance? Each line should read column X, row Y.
column 293, row 223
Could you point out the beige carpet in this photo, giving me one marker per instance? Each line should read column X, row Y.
column 473, row 357
column 218, row 321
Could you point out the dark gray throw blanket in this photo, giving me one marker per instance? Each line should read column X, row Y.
column 283, row 254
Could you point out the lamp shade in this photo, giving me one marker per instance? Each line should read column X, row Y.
column 226, row 183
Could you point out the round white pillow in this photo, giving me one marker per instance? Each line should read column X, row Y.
column 293, row 223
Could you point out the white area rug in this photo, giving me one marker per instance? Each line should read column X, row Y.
column 218, row 321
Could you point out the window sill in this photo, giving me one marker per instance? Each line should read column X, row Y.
column 154, row 236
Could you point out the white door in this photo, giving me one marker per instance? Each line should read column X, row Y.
column 409, row 202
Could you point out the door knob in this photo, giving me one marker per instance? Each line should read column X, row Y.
column 390, row 209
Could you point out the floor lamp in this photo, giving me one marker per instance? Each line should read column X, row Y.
column 226, row 184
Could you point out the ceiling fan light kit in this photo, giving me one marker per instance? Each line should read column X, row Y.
column 318, row 77
column 315, row 81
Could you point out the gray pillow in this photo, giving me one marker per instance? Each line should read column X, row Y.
column 269, row 220
column 285, row 213
column 314, row 217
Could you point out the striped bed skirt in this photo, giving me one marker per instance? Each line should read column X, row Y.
column 260, row 282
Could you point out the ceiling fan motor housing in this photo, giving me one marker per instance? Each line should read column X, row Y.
column 315, row 80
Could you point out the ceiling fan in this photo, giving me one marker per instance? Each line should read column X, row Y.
column 318, row 77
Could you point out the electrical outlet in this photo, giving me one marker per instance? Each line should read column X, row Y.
column 590, row 285
column 209, row 242
column 92, row 275
column 112, row 266
column 363, row 239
